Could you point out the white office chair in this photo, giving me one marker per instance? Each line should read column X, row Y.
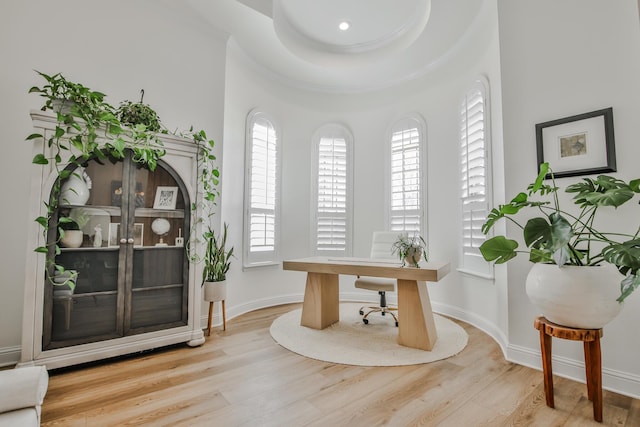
column 381, row 248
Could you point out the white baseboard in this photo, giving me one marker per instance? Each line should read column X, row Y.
column 612, row 380
column 9, row 356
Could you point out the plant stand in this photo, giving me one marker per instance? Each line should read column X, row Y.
column 224, row 317
column 592, row 359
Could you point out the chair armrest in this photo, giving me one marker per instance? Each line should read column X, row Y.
column 23, row 387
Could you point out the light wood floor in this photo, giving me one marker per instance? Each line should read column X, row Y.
column 241, row 377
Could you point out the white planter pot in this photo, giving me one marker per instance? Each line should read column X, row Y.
column 72, row 238
column 215, row 291
column 579, row 297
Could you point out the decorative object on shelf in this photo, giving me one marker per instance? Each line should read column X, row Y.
column 410, row 250
column 70, row 234
column 161, row 227
column 133, row 114
column 571, row 239
column 179, row 239
column 97, row 237
column 166, row 198
column 578, row 145
column 76, row 189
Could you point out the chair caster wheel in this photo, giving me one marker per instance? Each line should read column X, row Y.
column 383, row 313
column 366, row 321
column 396, row 324
column 361, row 312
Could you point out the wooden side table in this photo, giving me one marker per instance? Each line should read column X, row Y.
column 210, row 319
column 592, row 359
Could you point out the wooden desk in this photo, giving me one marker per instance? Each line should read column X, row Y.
column 416, row 327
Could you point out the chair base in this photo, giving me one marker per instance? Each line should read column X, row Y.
column 383, row 309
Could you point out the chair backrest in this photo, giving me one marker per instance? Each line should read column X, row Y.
column 382, row 244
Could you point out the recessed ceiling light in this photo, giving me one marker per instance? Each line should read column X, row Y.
column 344, row 25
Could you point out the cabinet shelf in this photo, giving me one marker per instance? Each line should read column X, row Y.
column 140, row 212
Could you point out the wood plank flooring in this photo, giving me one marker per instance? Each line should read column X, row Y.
column 241, row 377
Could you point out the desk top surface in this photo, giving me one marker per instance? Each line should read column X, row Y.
column 428, row 271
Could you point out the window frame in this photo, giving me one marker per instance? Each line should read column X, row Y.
column 421, row 126
column 257, row 259
column 332, row 130
column 471, row 261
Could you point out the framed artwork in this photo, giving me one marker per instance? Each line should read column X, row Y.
column 114, row 234
column 166, row 198
column 578, row 145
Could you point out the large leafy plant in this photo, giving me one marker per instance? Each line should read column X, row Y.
column 560, row 237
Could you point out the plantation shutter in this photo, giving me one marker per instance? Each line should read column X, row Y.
column 263, row 176
column 473, row 170
column 406, row 211
column 332, row 186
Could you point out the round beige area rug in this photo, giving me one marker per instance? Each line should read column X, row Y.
column 351, row 342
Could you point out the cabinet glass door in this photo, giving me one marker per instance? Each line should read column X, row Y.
column 159, row 287
column 92, row 198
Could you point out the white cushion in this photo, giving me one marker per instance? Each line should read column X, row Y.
column 376, row 284
column 23, row 388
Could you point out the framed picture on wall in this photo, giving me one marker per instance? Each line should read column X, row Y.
column 578, row 145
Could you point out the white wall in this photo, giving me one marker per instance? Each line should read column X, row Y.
column 437, row 97
column 560, row 59
column 117, row 47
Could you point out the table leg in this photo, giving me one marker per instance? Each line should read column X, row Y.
column 321, row 301
column 416, row 326
column 547, row 370
column 593, row 364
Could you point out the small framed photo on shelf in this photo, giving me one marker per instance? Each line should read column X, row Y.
column 166, row 198
column 114, row 234
column 578, row 145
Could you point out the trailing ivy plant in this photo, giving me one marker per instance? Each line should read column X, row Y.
column 138, row 113
column 207, row 192
column 82, row 117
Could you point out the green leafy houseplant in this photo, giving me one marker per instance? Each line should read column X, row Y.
column 132, row 114
column 217, row 259
column 559, row 237
column 410, row 248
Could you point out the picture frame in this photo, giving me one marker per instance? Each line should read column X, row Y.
column 583, row 144
column 114, row 234
column 166, row 198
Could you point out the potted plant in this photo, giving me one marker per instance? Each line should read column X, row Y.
column 562, row 243
column 410, row 249
column 138, row 113
column 70, row 234
column 217, row 260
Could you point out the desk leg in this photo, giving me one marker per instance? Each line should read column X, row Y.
column 416, row 326
column 321, row 302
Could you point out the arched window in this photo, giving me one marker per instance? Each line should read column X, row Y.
column 406, row 194
column 262, row 190
column 475, row 176
column 332, row 188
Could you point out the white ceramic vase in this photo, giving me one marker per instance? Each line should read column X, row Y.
column 578, row 297
column 215, row 291
column 75, row 190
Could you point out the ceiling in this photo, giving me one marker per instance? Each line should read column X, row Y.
column 388, row 42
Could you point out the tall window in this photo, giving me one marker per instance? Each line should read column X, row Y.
column 406, row 195
column 332, row 191
column 261, row 191
column 474, row 176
